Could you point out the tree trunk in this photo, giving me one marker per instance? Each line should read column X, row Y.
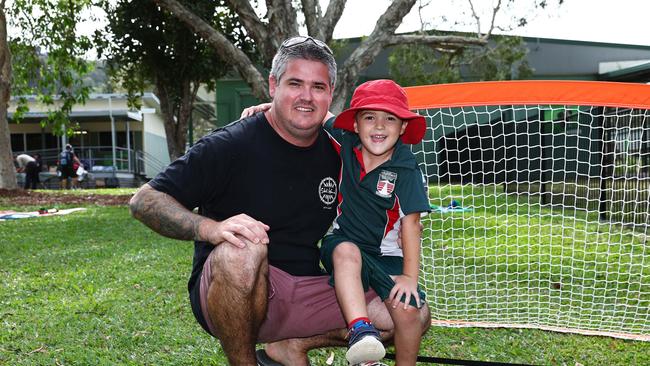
column 7, row 170
column 177, row 117
column 365, row 54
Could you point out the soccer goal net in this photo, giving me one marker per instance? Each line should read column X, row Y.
column 540, row 196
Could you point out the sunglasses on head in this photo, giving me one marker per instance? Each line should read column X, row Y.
column 295, row 41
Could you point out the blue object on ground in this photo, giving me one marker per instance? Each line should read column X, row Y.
column 16, row 216
column 453, row 206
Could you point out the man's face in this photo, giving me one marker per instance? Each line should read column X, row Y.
column 301, row 99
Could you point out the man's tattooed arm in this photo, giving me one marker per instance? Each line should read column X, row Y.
column 164, row 215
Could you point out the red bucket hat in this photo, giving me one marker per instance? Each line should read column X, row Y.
column 383, row 95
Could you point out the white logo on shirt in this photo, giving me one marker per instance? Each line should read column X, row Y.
column 327, row 190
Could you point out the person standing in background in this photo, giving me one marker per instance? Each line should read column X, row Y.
column 67, row 161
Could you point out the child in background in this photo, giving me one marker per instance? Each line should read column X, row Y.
column 380, row 189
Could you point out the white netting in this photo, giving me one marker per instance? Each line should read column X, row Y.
column 540, row 218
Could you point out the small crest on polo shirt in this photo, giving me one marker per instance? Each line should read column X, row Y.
column 386, row 183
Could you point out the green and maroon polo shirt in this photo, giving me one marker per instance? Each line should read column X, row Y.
column 371, row 204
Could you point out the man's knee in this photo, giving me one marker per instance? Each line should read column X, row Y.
column 379, row 315
column 382, row 320
column 425, row 318
column 239, row 266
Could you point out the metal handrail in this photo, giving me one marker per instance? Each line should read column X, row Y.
column 127, row 160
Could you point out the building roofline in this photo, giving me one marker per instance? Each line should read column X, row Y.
column 531, row 39
column 626, row 73
column 99, row 96
column 87, row 115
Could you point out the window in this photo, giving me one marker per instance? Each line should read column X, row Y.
column 34, row 141
column 17, row 142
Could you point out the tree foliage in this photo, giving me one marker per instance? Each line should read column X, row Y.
column 503, row 59
column 45, row 59
column 49, row 57
column 146, row 45
column 281, row 21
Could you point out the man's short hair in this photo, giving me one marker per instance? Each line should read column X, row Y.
column 305, row 48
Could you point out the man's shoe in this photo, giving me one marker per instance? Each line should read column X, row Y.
column 264, row 360
column 364, row 345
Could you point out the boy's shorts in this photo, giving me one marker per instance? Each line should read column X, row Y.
column 375, row 268
column 298, row 306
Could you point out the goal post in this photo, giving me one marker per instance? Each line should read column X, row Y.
column 540, row 196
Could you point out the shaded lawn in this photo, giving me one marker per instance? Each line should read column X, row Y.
column 100, row 288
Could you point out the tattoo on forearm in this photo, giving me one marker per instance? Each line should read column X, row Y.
column 166, row 216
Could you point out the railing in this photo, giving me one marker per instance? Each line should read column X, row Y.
column 143, row 158
column 126, row 160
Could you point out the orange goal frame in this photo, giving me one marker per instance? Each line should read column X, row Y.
column 532, row 92
column 561, row 92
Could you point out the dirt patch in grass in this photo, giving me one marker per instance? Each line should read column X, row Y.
column 20, row 197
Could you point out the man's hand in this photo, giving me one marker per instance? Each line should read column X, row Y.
column 404, row 286
column 232, row 229
column 247, row 112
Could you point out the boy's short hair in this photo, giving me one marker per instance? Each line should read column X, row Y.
column 388, row 96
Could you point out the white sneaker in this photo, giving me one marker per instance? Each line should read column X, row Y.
column 368, row 348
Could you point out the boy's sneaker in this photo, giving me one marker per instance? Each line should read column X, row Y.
column 364, row 345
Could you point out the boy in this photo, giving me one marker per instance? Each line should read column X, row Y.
column 380, row 186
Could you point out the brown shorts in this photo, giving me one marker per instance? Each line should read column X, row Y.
column 299, row 306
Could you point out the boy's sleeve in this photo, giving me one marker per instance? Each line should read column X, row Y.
column 412, row 193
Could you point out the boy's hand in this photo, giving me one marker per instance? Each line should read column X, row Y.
column 404, row 286
column 247, row 112
column 399, row 233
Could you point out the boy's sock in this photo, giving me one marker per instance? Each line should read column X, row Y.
column 358, row 322
column 364, row 343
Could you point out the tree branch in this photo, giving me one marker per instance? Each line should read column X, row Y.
column 368, row 50
column 436, row 41
column 283, row 21
column 257, row 30
column 226, row 50
column 331, row 18
column 312, row 12
column 494, row 15
column 476, row 18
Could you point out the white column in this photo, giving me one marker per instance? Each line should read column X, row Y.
column 128, row 143
column 113, row 139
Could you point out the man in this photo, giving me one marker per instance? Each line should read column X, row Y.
column 266, row 192
column 29, row 166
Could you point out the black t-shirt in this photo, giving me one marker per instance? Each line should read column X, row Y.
column 246, row 167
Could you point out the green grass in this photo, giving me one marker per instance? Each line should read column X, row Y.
column 98, row 288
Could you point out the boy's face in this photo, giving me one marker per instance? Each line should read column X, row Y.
column 378, row 131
